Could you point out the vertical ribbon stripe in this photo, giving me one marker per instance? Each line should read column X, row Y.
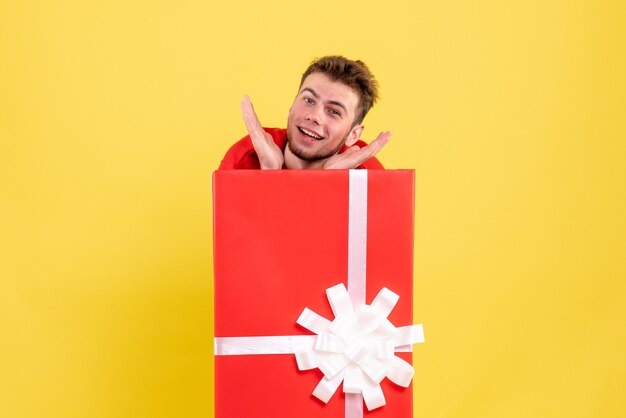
column 357, row 236
column 357, row 262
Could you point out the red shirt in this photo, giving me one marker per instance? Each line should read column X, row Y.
column 241, row 156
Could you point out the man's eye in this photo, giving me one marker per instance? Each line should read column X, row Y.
column 334, row 112
column 307, row 100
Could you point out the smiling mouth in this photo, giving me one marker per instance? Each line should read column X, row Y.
column 310, row 134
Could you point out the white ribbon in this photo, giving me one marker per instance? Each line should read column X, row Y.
column 357, row 347
column 357, row 236
column 278, row 344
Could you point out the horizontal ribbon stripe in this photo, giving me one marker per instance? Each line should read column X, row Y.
column 280, row 344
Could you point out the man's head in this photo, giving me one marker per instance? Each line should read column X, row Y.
column 334, row 96
column 353, row 74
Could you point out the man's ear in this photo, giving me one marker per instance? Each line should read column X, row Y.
column 354, row 135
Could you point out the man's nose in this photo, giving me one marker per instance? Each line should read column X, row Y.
column 315, row 115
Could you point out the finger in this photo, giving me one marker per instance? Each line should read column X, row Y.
column 249, row 115
column 381, row 139
column 251, row 120
column 359, row 156
column 376, row 145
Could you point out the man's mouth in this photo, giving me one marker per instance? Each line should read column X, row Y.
column 310, row 134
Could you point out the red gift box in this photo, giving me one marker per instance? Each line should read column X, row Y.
column 280, row 240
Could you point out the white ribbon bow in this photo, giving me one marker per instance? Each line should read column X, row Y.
column 358, row 347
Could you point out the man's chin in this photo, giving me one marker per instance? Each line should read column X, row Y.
column 303, row 154
column 309, row 156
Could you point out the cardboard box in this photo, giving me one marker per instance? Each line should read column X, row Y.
column 281, row 240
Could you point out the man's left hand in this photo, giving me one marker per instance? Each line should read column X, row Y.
column 355, row 155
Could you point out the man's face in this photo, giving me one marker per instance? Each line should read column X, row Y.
column 321, row 118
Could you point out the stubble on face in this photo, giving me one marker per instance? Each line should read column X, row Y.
column 312, row 156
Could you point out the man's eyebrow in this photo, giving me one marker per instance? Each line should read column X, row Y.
column 336, row 103
column 310, row 90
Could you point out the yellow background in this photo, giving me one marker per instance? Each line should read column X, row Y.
column 114, row 114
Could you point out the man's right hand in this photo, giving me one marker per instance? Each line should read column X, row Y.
column 270, row 155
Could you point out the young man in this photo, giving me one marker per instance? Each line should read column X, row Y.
column 324, row 124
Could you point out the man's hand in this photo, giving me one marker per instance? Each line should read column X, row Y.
column 355, row 156
column 270, row 155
